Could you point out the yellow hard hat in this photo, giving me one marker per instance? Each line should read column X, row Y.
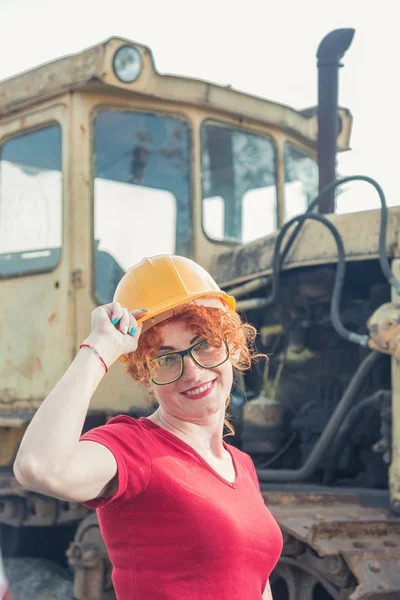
column 162, row 283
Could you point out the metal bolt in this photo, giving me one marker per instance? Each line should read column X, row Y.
column 382, row 586
column 333, row 563
column 74, row 553
column 374, row 566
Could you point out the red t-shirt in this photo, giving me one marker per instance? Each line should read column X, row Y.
column 175, row 529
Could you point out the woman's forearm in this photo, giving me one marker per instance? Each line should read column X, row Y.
column 53, row 434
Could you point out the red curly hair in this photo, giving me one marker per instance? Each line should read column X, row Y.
column 212, row 324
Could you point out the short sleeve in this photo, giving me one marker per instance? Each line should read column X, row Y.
column 126, row 439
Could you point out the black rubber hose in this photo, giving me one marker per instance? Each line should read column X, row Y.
column 327, row 436
column 339, row 275
column 384, row 262
column 375, row 399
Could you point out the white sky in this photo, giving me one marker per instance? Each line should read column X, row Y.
column 264, row 48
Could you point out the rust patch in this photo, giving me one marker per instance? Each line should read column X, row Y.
column 314, row 246
column 7, row 395
column 30, row 366
column 53, row 318
column 10, row 440
column 285, row 499
column 323, row 529
column 375, row 576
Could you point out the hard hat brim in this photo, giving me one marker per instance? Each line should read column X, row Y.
column 161, row 313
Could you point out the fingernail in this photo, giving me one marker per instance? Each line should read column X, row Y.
column 132, row 331
column 115, row 321
column 125, row 329
column 144, row 310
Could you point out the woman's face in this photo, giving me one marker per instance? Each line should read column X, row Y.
column 183, row 399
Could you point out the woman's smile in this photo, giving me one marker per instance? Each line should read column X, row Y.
column 201, row 391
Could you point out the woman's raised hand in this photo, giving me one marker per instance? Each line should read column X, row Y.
column 115, row 331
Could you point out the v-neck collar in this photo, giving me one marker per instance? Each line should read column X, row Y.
column 233, row 484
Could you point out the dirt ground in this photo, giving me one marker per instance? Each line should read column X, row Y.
column 37, row 579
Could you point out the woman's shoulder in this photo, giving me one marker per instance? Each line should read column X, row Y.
column 121, row 426
column 126, row 420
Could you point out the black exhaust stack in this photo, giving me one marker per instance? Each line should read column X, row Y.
column 330, row 51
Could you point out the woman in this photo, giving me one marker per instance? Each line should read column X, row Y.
column 180, row 510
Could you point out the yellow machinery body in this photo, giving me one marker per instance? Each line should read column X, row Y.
column 96, row 173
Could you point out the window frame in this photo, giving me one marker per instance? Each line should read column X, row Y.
column 123, row 108
column 17, row 134
column 250, row 130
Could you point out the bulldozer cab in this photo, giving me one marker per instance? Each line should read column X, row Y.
column 97, row 172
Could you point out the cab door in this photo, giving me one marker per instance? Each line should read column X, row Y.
column 37, row 323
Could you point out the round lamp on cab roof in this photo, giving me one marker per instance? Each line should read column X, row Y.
column 127, row 64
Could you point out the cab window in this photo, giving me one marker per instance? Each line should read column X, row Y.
column 301, row 181
column 238, row 184
column 141, row 192
column 30, row 202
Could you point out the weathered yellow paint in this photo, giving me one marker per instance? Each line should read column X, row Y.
column 36, row 322
column 314, row 245
column 92, row 70
column 42, row 325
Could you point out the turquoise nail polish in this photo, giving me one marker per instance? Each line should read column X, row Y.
column 144, row 310
column 132, row 331
column 115, row 321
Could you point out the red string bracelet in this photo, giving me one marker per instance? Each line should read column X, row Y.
column 97, row 353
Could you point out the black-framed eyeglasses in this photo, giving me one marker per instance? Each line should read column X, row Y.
column 168, row 368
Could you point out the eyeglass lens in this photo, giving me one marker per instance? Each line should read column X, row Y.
column 169, row 367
